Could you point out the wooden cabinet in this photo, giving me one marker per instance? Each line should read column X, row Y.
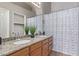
column 44, row 41
column 35, row 46
column 50, row 45
column 47, row 46
column 22, row 52
column 35, row 49
column 36, row 52
column 45, row 51
column 42, row 48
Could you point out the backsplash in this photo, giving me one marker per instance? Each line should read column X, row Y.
column 12, row 38
column 8, row 39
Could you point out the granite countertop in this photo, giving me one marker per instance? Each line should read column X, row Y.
column 9, row 46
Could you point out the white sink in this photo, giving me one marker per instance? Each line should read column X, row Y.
column 22, row 41
column 42, row 36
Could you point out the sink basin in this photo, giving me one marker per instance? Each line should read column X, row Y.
column 22, row 41
column 42, row 36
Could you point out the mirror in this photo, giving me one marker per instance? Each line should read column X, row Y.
column 11, row 23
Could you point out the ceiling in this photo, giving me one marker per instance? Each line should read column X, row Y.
column 24, row 5
column 47, row 7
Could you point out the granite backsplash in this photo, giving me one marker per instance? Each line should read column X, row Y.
column 12, row 38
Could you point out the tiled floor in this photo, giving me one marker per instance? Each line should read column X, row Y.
column 54, row 53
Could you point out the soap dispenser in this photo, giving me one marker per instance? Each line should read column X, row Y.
column 0, row 40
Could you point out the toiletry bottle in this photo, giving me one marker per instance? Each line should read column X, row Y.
column 43, row 33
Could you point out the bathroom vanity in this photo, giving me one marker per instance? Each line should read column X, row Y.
column 39, row 46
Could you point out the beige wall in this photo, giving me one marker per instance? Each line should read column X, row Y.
column 46, row 7
column 16, row 8
column 13, row 8
column 57, row 6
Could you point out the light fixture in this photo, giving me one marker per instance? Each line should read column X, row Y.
column 37, row 4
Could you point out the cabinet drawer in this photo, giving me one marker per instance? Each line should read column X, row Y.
column 45, row 53
column 23, row 52
column 45, row 50
column 45, row 46
column 45, row 41
column 35, row 46
column 50, row 49
column 51, row 43
column 50, row 39
column 36, row 52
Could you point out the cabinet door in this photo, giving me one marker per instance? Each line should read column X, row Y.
column 35, row 49
column 23, row 52
column 50, row 45
column 36, row 52
column 45, row 51
column 50, row 49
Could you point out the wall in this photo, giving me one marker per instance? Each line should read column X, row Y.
column 57, row 6
column 63, row 25
column 37, row 22
column 46, row 7
column 15, row 8
column 61, row 6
